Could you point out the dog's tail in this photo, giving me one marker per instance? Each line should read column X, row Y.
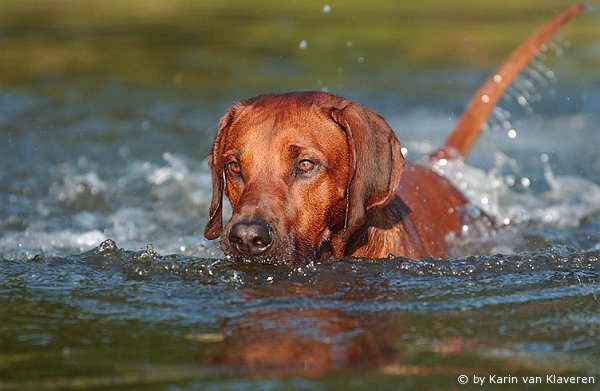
column 469, row 125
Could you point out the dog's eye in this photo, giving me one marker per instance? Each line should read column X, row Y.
column 234, row 167
column 305, row 166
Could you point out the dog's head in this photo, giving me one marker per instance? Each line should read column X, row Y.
column 298, row 168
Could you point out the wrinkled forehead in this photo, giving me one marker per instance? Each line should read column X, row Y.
column 275, row 130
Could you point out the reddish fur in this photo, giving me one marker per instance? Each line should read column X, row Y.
column 364, row 200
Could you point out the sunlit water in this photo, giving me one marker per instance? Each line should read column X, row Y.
column 106, row 280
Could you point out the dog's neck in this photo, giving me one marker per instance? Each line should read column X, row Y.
column 378, row 237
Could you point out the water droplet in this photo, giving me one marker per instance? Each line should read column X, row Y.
column 525, row 182
column 498, row 78
column 326, row 9
column 485, row 98
column 303, row 44
column 511, row 133
column 349, row 44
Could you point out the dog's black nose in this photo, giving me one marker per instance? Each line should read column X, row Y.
column 250, row 237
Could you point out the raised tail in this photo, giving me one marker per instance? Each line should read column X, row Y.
column 469, row 125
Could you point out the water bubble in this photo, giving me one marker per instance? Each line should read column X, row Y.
column 537, row 76
column 556, row 47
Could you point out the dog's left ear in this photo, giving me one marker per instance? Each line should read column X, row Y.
column 376, row 162
column 214, row 226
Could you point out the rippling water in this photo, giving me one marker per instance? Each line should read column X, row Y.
column 106, row 281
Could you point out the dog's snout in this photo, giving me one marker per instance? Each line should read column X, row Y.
column 251, row 237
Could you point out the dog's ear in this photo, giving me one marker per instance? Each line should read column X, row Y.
column 214, row 226
column 376, row 162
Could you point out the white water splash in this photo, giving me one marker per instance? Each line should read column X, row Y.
column 144, row 203
column 566, row 205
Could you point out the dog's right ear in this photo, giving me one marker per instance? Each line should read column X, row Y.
column 214, row 226
column 376, row 162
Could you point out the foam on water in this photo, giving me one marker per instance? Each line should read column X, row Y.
column 138, row 204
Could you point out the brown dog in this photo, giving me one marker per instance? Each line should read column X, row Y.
column 311, row 174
